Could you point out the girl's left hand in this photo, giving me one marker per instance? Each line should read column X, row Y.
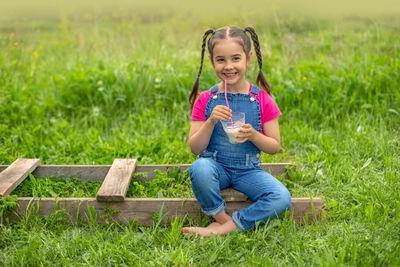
column 246, row 132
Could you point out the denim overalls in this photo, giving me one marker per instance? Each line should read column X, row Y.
column 238, row 166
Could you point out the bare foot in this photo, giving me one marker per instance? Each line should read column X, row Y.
column 203, row 231
column 215, row 228
column 213, row 224
column 222, row 217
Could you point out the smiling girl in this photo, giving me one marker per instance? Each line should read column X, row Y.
column 222, row 164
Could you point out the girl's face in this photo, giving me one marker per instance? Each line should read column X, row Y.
column 230, row 63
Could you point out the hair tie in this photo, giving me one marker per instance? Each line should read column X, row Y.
column 260, row 69
column 244, row 30
column 213, row 32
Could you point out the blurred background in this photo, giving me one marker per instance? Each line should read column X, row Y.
column 45, row 9
column 88, row 81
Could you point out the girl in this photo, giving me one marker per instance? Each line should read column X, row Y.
column 222, row 164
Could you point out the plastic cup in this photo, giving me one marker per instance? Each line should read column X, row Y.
column 238, row 119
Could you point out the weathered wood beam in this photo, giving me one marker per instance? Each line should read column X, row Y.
column 230, row 194
column 142, row 209
column 99, row 172
column 117, row 181
column 14, row 174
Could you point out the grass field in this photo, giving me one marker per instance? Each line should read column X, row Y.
column 90, row 86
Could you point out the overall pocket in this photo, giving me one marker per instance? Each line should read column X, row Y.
column 255, row 162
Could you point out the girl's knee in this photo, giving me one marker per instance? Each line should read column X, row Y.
column 286, row 199
column 202, row 167
column 281, row 199
column 203, row 172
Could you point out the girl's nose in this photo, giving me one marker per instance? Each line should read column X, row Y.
column 228, row 66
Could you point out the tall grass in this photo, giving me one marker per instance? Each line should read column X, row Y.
column 108, row 88
column 85, row 89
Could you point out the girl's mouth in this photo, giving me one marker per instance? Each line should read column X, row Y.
column 230, row 75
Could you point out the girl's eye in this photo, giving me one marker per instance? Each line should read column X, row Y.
column 220, row 60
column 236, row 58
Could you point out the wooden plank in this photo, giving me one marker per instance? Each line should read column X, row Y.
column 231, row 195
column 84, row 172
column 117, row 181
column 98, row 172
column 275, row 169
column 142, row 209
column 14, row 174
column 302, row 207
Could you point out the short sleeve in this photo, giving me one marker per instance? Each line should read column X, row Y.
column 198, row 112
column 269, row 109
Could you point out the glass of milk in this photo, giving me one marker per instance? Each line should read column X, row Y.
column 238, row 119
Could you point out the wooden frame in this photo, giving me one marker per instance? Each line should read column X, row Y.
column 111, row 197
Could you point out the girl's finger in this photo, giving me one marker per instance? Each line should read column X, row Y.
column 242, row 135
column 242, row 140
column 226, row 112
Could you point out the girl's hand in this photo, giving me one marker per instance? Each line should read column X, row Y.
column 246, row 132
column 220, row 112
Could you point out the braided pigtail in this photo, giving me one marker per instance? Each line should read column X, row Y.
column 261, row 80
column 195, row 88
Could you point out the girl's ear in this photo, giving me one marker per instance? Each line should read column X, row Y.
column 249, row 58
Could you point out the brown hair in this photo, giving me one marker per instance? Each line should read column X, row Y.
column 244, row 41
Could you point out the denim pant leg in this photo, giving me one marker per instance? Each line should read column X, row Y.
column 208, row 178
column 271, row 198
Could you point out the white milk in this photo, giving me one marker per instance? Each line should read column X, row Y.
column 231, row 134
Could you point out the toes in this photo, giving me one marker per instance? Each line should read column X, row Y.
column 196, row 230
column 187, row 230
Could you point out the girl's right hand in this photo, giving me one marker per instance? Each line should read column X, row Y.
column 220, row 112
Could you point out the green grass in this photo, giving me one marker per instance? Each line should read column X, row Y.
column 85, row 89
column 173, row 184
column 56, row 187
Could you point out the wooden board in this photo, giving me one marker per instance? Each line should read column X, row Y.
column 142, row 209
column 117, row 181
column 14, row 174
column 275, row 169
column 231, row 195
column 98, row 172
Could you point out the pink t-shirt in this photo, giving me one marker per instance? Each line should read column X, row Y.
column 268, row 108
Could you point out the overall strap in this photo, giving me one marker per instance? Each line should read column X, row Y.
column 254, row 90
column 214, row 89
